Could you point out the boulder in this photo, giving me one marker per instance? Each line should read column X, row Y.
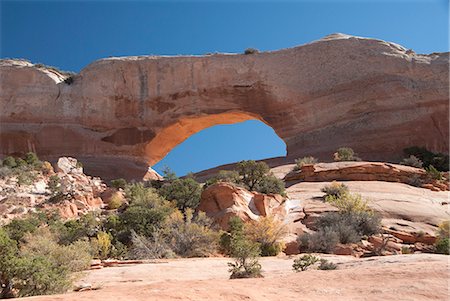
column 68, row 165
column 222, row 201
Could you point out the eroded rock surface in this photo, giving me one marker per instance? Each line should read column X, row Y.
column 119, row 115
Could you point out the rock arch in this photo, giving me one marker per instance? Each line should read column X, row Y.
column 119, row 114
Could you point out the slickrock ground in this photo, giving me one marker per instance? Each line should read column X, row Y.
column 401, row 277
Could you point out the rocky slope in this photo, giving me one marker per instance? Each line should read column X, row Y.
column 338, row 91
column 77, row 193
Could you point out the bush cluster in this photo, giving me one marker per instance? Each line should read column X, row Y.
column 346, row 154
column 252, row 175
column 438, row 160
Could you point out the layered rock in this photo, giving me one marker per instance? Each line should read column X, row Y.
column 119, row 115
column 364, row 171
column 223, row 201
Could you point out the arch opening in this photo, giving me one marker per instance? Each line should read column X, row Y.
column 198, row 143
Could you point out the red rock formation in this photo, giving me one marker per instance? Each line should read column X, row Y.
column 119, row 115
column 363, row 171
column 222, row 201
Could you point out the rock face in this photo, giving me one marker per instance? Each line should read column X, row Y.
column 120, row 115
column 222, row 201
column 363, row 171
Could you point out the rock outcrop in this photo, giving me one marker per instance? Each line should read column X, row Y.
column 73, row 194
column 222, row 201
column 364, row 171
column 120, row 115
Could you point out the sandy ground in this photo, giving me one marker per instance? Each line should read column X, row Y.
column 401, row 277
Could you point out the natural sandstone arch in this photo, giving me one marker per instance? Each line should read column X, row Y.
column 176, row 133
column 119, row 114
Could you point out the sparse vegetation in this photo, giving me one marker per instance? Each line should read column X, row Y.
column 345, row 154
column 433, row 173
column 412, row 161
column 348, row 202
column 442, row 245
column 304, row 161
column 335, row 189
column 438, row 160
column 304, row 262
column 119, row 183
column 327, row 265
column 251, row 51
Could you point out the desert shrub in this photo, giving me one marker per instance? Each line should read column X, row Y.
column 85, row 227
column 40, row 267
column 412, row 161
column 9, row 162
column 304, row 262
column 235, row 230
column 54, row 184
column 115, row 202
column 415, row 180
column 191, row 236
column 406, row 250
column 119, row 183
column 46, row 168
column 153, row 247
column 25, row 175
column 304, row 161
column 442, row 246
column 20, row 162
column 335, row 189
column 5, row 172
column 185, row 192
column 245, row 254
column 268, row 233
column 327, row 265
column 251, row 51
column 433, row 173
column 75, row 257
column 438, row 160
column 230, row 176
column 17, row 228
column 104, row 244
column 348, row 202
column 271, row 185
column 350, row 226
column 33, row 160
column 322, row 241
column 345, row 154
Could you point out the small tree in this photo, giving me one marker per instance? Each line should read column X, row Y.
column 246, row 264
column 185, row 192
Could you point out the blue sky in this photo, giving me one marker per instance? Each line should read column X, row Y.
column 70, row 35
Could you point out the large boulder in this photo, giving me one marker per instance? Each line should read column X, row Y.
column 222, row 201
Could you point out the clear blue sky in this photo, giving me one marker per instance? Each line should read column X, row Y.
column 70, row 35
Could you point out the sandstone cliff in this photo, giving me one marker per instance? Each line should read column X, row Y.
column 120, row 115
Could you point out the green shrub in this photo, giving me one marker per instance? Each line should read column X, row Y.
column 327, row 265
column 335, row 189
column 17, row 228
column 443, row 246
column 251, row 51
column 25, row 177
column 304, row 262
column 438, row 160
column 85, row 227
column 230, row 176
column 271, row 185
column 9, row 162
column 304, row 161
column 345, row 154
column 245, row 254
column 433, row 173
column 256, row 176
column 54, row 185
column 119, row 183
column 5, row 172
column 412, row 161
column 33, row 160
column 236, row 229
column 185, row 192
column 20, row 162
